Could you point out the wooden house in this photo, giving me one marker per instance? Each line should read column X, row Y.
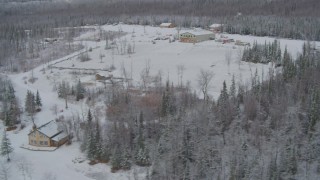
column 47, row 135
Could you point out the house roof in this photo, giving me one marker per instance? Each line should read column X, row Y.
column 165, row 24
column 215, row 25
column 196, row 32
column 49, row 129
column 59, row 136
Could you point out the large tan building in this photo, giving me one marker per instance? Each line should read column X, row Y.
column 195, row 36
column 47, row 135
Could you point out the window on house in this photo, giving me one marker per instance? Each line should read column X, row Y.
column 41, row 142
column 45, row 142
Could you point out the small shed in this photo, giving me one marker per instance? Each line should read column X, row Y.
column 167, row 25
column 216, row 28
column 47, row 135
column 196, row 35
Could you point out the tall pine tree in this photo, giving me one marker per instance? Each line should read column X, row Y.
column 141, row 152
column 6, row 147
column 30, row 104
column 38, row 100
column 79, row 91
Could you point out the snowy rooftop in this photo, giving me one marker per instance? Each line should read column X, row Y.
column 215, row 25
column 196, row 31
column 49, row 129
column 59, row 136
column 165, row 24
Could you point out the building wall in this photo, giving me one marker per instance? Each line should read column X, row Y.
column 62, row 141
column 204, row 37
column 190, row 38
column 216, row 29
column 38, row 139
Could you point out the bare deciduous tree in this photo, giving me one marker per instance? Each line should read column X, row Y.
column 54, row 109
column 204, row 80
column 26, row 169
column 180, row 69
column 4, row 172
column 49, row 176
column 228, row 56
column 145, row 75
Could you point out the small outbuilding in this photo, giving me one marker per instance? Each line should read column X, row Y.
column 47, row 135
column 167, row 25
column 196, row 35
column 216, row 28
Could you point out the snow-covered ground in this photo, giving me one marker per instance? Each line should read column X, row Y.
column 164, row 56
column 67, row 161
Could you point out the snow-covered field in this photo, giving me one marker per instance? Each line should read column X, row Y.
column 66, row 162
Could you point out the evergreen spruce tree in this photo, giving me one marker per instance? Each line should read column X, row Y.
column 278, row 57
column 30, row 104
column 116, row 159
column 224, row 96
column 141, row 152
column 87, row 132
column 289, row 69
column 6, row 147
column 105, row 153
column 125, row 160
column 38, row 100
column 187, row 154
column 288, row 162
column 11, row 92
column 98, row 143
column 72, row 91
column 10, row 109
column 314, row 110
column 63, row 92
column 255, row 83
column 79, row 91
column 6, row 111
column 91, row 146
column 223, row 108
column 165, row 104
column 233, row 88
column 142, row 157
column 273, row 173
column 91, row 141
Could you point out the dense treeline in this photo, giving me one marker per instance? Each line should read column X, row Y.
column 298, row 19
column 265, row 53
column 10, row 109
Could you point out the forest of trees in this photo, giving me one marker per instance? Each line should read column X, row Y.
column 267, row 131
column 270, row 130
column 10, row 108
column 263, row 53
